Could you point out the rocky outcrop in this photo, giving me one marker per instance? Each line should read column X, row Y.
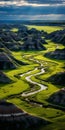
column 13, row 117
column 32, row 44
column 57, row 54
column 58, row 97
column 7, row 61
column 4, row 78
column 15, row 41
column 58, row 78
column 34, row 31
column 57, row 36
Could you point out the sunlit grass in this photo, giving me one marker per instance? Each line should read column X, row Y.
column 14, row 29
column 48, row 29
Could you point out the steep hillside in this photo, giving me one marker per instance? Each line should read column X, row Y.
column 4, row 78
column 58, row 97
column 57, row 36
column 57, row 54
column 33, row 43
column 58, row 78
column 23, row 39
column 13, row 117
column 7, row 61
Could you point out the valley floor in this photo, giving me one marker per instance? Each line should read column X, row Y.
column 30, row 90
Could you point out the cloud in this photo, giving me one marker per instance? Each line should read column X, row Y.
column 20, row 3
column 3, row 12
column 26, row 10
column 32, row 9
column 32, row 3
column 34, row 17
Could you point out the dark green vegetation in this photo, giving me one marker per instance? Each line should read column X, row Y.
column 25, row 51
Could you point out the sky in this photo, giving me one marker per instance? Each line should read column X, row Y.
column 32, row 9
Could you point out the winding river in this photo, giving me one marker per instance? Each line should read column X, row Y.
column 28, row 79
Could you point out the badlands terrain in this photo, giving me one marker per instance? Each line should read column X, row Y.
column 32, row 77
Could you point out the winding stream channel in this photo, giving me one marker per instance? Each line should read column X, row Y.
column 28, row 79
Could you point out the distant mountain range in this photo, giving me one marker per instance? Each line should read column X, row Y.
column 34, row 22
